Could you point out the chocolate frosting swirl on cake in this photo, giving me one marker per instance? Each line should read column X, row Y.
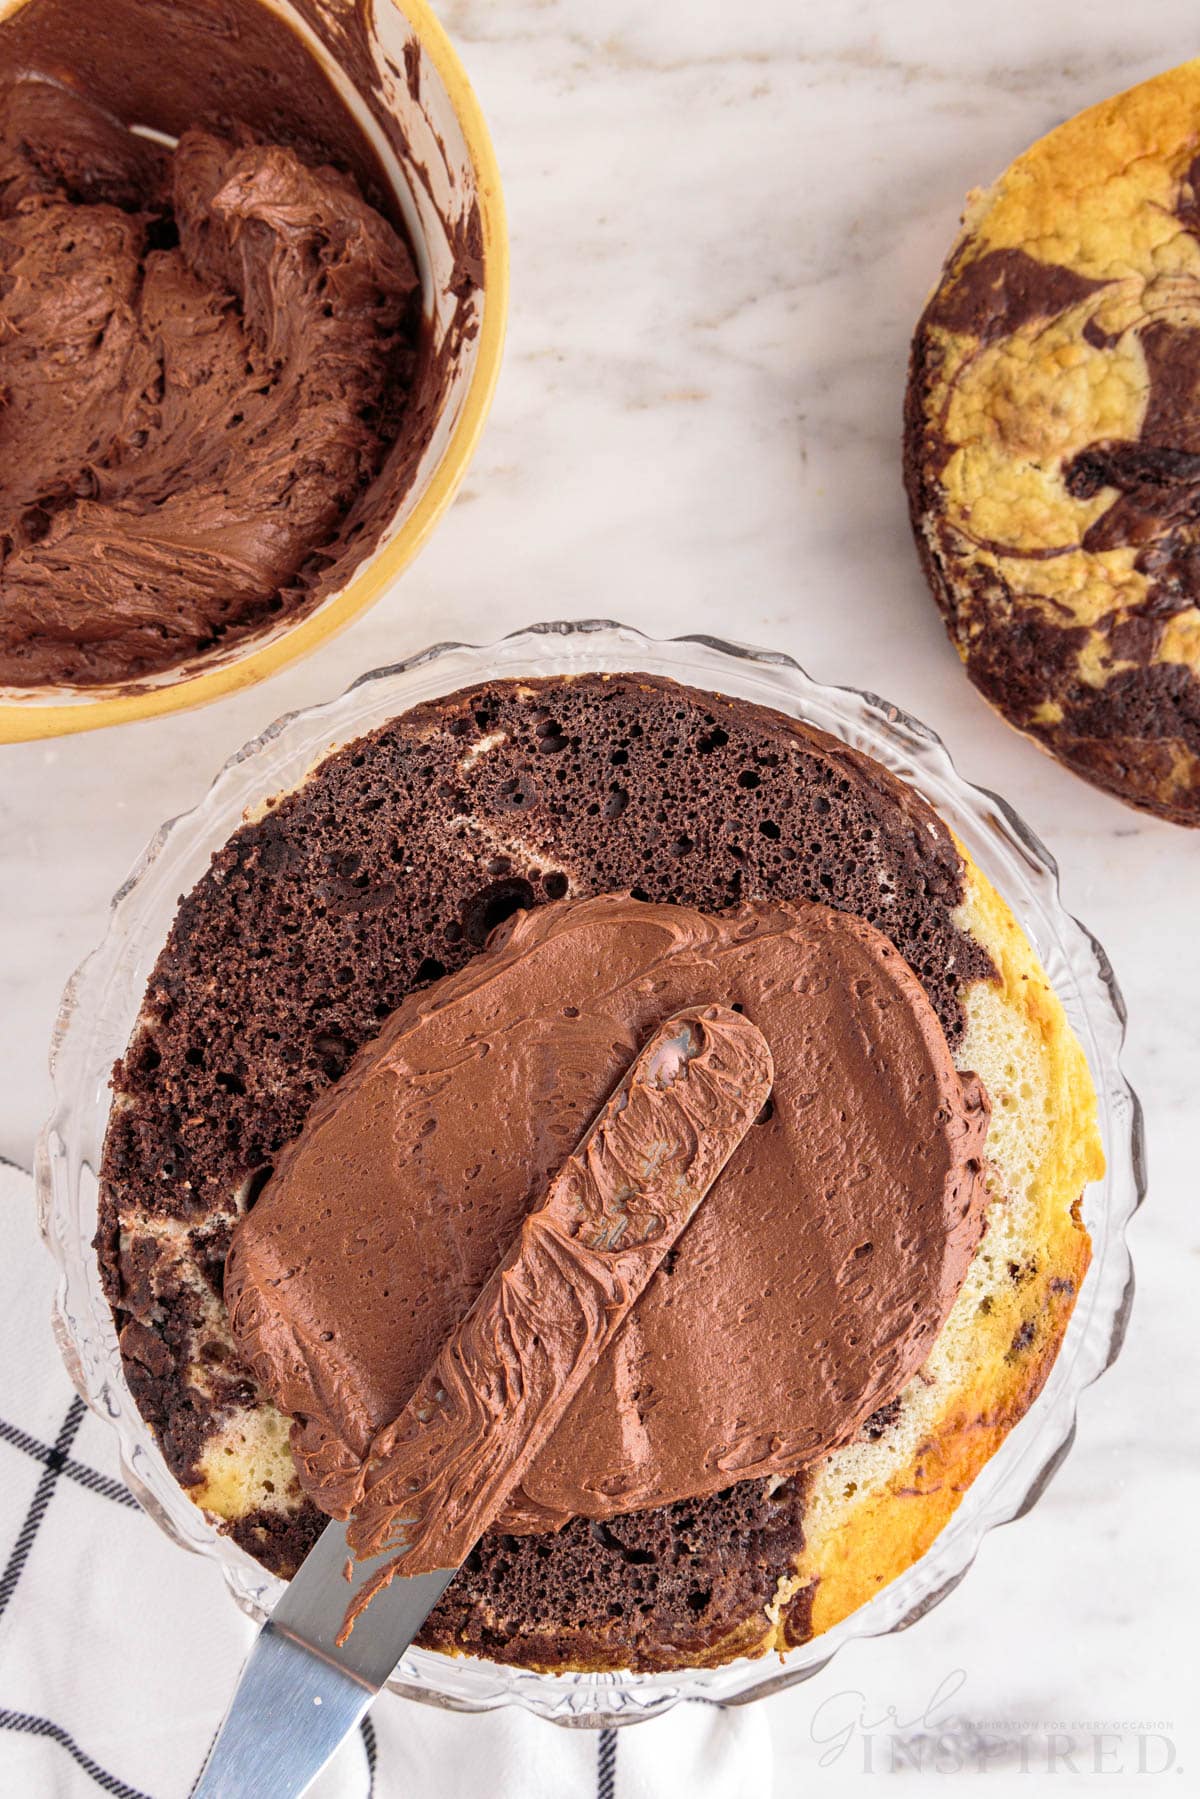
column 438, row 1475
column 198, row 379
column 803, row 1296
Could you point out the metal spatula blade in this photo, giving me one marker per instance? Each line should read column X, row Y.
column 300, row 1695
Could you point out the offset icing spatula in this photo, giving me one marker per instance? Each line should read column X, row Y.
column 299, row 1694
column 437, row 1477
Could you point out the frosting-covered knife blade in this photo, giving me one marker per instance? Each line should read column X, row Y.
column 436, row 1477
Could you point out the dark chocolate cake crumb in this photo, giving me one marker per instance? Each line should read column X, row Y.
column 667, row 1583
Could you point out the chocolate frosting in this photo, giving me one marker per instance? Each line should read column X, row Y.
column 804, row 1294
column 195, row 356
column 437, row 1477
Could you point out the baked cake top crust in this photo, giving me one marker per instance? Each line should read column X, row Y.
column 1053, row 443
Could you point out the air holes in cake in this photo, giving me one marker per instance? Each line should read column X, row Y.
column 634, row 1558
column 230, row 1083
column 492, row 906
column 555, row 886
column 863, row 1251
column 550, row 739
column 748, row 779
column 255, row 1185
column 616, row 802
column 430, row 970
column 770, row 829
column 716, row 739
column 517, row 794
column 333, row 1052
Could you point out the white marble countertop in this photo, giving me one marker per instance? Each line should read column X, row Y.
column 724, row 221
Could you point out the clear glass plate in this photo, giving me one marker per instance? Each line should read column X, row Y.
column 101, row 1004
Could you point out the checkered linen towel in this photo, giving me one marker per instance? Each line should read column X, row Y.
column 119, row 1651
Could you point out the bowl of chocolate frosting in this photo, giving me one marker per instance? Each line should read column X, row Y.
column 253, row 277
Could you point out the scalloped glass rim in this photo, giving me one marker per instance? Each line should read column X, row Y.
column 101, row 1003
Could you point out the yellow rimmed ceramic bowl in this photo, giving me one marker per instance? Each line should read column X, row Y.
column 407, row 92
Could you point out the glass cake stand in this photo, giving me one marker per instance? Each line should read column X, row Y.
column 101, row 1004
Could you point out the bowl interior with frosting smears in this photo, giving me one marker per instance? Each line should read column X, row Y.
column 285, row 214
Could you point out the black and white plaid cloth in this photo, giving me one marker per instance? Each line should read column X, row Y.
column 119, row 1651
